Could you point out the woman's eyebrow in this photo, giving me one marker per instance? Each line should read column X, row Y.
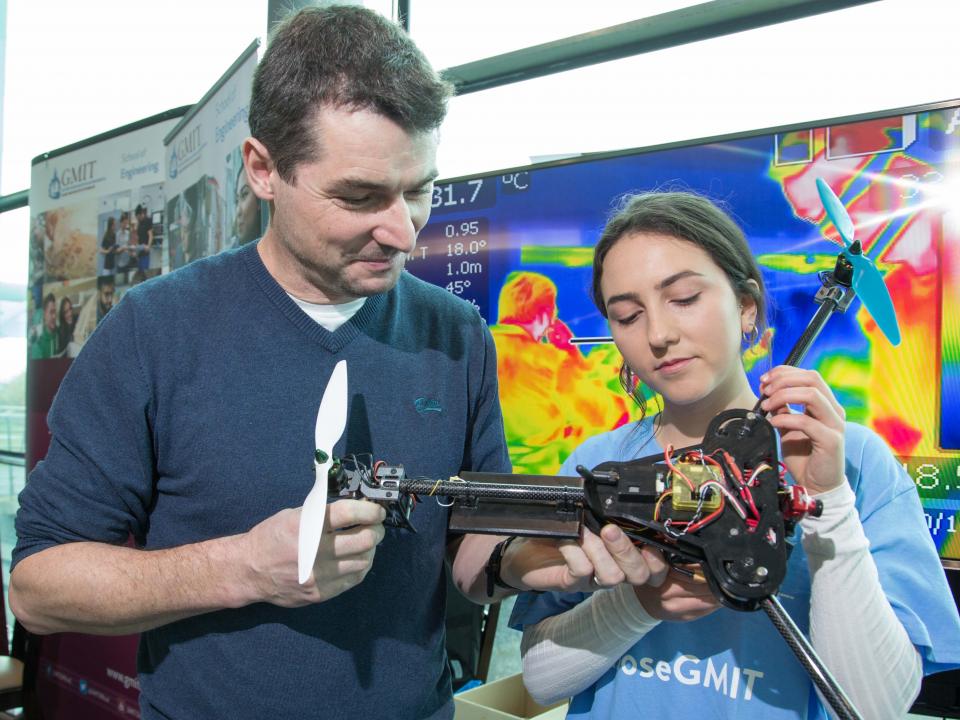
column 668, row 281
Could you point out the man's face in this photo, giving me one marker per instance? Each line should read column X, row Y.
column 50, row 315
column 344, row 228
column 106, row 297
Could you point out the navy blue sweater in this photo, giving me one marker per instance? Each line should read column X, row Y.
column 190, row 415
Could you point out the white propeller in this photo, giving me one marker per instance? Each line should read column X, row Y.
column 331, row 420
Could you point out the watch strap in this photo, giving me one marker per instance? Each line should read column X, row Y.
column 492, row 569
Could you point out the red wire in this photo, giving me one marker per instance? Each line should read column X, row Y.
column 693, row 527
column 673, row 468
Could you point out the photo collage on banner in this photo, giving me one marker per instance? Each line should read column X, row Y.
column 96, row 229
column 210, row 206
column 105, row 216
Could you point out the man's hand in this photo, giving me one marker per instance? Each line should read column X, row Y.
column 351, row 532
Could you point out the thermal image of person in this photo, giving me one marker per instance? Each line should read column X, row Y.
column 680, row 289
column 552, row 396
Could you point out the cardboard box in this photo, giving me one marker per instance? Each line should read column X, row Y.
column 504, row 699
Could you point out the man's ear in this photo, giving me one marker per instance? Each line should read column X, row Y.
column 260, row 168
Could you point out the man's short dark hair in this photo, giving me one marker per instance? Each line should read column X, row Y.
column 50, row 298
column 343, row 57
column 106, row 281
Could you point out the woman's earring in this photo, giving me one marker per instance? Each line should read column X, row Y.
column 631, row 384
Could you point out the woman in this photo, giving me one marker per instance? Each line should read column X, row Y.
column 246, row 216
column 108, row 246
column 126, row 244
column 676, row 280
column 65, row 326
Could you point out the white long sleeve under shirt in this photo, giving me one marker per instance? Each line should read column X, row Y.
column 863, row 643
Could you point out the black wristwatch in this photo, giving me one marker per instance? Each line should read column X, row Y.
column 492, row 569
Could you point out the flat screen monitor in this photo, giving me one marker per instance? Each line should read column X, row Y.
column 493, row 237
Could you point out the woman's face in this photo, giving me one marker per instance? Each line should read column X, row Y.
column 674, row 316
column 247, row 216
column 66, row 313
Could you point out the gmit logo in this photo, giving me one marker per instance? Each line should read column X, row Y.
column 53, row 190
column 69, row 177
column 708, row 675
column 184, row 149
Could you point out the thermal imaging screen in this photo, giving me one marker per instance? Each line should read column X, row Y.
column 519, row 245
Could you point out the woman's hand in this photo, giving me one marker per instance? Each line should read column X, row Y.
column 587, row 565
column 679, row 598
column 811, row 442
column 665, row 592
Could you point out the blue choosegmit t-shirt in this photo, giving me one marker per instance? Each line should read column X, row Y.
column 736, row 665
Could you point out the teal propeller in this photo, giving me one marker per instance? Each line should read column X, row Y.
column 867, row 281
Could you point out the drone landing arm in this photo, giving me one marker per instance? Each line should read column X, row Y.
column 805, row 653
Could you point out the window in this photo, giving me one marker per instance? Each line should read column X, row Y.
column 453, row 33
column 834, row 64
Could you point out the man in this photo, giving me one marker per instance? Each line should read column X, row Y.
column 144, row 237
column 45, row 344
column 204, row 452
column 95, row 309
